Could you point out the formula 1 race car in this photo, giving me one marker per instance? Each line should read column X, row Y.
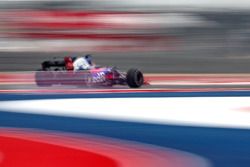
column 57, row 72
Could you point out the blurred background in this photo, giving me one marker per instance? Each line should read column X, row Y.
column 157, row 36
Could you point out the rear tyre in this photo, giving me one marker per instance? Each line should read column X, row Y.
column 46, row 65
column 134, row 78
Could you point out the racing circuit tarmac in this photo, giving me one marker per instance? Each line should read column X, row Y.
column 169, row 64
column 203, row 61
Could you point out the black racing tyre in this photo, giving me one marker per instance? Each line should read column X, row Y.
column 43, row 78
column 134, row 78
column 47, row 64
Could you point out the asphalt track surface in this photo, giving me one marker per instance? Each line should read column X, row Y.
column 190, row 62
column 201, row 61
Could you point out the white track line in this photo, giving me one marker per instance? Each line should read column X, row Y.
column 230, row 112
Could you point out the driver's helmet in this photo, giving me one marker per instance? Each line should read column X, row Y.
column 88, row 57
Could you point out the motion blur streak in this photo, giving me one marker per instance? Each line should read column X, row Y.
column 93, row 29
column 27, row 80
column 167, row 111
column 122, row 26
column 65, row 149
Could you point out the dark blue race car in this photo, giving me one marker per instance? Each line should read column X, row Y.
column 57, row 72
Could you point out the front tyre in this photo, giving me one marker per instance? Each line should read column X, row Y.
column 134, row 78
